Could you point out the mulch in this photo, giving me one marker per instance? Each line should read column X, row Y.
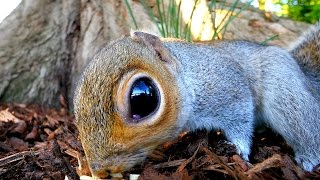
column 40, row 143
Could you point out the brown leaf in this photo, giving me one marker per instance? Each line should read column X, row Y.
column 58, row 131
column 183, row 174
column 33, row 134
column 41, row 145
column 5, row 147
column 18, row 144
column 151, row 174
column 6, row 116
column 21, row 127
column 52, row 121
column 51, row 134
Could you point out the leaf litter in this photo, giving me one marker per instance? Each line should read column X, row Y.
column 40, row 143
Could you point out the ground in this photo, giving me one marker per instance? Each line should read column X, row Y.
column 39, row 143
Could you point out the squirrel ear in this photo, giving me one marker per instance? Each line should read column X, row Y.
column 154, row 42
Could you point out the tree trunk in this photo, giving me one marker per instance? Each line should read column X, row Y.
column 37, row 49
column 45, row 44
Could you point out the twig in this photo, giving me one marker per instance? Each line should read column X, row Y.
column 185, row 163
column 236, row 175
column 169, row 164
column 68, row 169
column 274, row 161
column 17, row 157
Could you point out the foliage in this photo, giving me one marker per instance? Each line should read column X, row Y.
column 300, row 10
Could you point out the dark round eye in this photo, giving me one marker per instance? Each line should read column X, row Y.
column 144, row 98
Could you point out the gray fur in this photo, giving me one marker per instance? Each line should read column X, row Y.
column 219, row 90
column 237, row 84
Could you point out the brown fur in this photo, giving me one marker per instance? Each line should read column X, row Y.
column 103, row 129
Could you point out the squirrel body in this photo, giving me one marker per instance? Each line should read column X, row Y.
column 230, row 85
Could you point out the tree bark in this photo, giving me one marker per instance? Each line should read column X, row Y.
column 36, row 51
column 45, row 45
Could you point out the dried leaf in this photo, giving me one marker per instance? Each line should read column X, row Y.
column 33, row 134
column 18, row 144
column 21, row 127
column 6, row 116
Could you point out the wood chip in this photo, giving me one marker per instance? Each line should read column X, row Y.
column 274, row 161
column 169, row 164
column 185, row 163
column 242, row 163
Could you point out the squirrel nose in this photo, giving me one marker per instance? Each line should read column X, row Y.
column 100, row 171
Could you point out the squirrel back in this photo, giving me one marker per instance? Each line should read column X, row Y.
column 239, row 84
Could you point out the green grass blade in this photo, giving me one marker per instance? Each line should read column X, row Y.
column 187, row 29
column 247, row 5
column 161, row 20
column 131, row 14
column 264, row 42
column 232, row 17
column 177, row 25
column 228, row 15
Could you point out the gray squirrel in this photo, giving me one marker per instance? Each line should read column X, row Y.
column 141, row 91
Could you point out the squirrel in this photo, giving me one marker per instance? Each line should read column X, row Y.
column 141, row 91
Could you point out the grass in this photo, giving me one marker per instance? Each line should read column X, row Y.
column 271, row 38
column 169, row 22
column 228, row 17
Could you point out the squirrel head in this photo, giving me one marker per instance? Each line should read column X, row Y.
column 126, row 103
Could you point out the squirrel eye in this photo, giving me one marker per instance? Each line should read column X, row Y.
column 144, row 98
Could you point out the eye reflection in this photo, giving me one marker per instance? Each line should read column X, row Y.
column 143, row 99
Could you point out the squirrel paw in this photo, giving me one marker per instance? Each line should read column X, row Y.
column 306, row 162
column 243, row 147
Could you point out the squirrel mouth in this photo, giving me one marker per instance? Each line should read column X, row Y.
column 105, row 173
column 115, row 165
